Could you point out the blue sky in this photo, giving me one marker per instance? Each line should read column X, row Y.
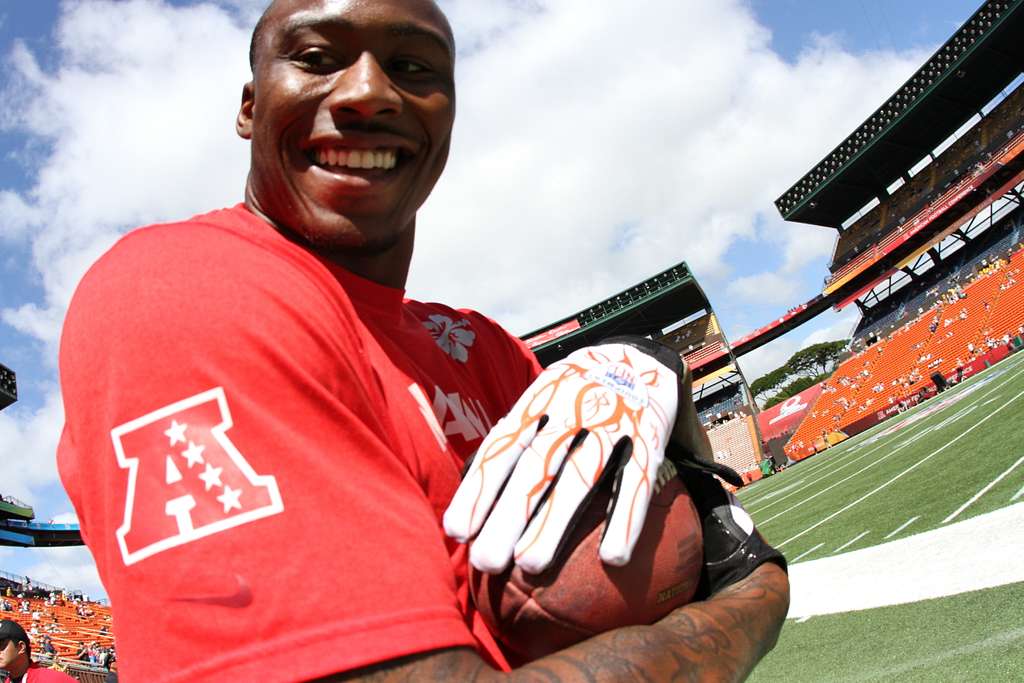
column 720, row 111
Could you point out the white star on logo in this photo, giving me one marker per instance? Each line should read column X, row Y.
column 229, row 499
column 211, row 477
column 194, row 454
column 176, row 433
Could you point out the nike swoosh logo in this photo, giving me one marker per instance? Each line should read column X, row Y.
column 241, row 597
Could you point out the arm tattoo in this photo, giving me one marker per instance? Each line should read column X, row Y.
column 720, row 639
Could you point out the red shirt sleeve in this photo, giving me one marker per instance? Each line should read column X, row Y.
column 230, row 452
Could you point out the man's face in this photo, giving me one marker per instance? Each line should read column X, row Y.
column 10, row 651
column 350, row 114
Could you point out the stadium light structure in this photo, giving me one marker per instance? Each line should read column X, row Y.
column 945, row 64
column 8, row 387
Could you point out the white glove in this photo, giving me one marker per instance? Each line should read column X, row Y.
column 607, row 406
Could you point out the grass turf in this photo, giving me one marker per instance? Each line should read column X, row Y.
column 977, row 636
column 950, row 449
column 943, row 453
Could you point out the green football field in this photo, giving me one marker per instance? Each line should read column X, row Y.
column 919, row 495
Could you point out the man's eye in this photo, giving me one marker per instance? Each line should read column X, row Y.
column 408, row 66
column 315, row 58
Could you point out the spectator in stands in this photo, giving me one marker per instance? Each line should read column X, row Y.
column 347, row 440
column 16, row 658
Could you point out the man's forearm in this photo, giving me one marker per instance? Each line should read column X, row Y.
column 720, row 639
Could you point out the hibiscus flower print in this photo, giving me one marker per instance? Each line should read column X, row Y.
column 453, row 337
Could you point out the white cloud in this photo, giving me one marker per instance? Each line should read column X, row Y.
column 828, row 327
column 71, row 568
column 595, row 145
column 767, row 288
column 29, row 439
column 682, row 129
column 685, row 128
column 65, row 518
column 839, row 328
column 139, row 121
column 761, row 361
column 16, row 216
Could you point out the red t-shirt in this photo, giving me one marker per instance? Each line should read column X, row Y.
column 260, row 446
column 42, row 674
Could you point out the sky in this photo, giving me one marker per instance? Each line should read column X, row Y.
column 595, row 144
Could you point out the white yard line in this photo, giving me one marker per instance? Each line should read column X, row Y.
column 982, row 492
column 809, row 469
column 909, row 469
column 893, row 673
column 1018, row 494
column 894, row 451
column 806, row 553
column 851, row 542
column 903, row 526
column 752, row 507
column 772, row 494
column 932, row 564
column 910, row 439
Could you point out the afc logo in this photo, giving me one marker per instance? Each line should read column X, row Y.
column 186, row 479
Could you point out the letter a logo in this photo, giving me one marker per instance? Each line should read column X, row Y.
column 186, row 480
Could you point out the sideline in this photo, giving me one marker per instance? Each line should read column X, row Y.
column 889, row 674
column 909, row 469
column 932, row 564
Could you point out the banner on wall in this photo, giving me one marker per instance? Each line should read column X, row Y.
column 785, row 417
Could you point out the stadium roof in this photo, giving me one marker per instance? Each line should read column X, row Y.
column 8, row 387
column 644, row 309
column 963, row 75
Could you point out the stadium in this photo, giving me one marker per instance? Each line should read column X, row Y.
column 895, row 486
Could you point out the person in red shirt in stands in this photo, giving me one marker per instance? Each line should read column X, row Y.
column 16, row 658
column 263, row 434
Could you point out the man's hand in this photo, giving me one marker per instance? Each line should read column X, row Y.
column 603, row 411
column 733, row 548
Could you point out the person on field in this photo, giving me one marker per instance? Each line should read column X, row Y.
column 265, row 439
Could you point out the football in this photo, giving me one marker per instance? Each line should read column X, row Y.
column 533, row 615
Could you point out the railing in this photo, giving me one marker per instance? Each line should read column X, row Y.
column 14, row 501
column 36, row 585
column 948, row 199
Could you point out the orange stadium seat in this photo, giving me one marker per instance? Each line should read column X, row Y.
column 901, row 365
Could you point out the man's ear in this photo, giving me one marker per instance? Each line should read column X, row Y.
column 243, row 124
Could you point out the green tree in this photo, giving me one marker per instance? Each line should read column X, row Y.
column 818, row 359
column 769, row 383
column 804, row 368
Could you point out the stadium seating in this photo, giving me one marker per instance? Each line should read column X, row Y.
column 980, row 144
column 733, row 443
column 897, row 368
column 71, row 629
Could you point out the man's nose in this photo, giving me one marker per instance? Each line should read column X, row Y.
column 364, row 89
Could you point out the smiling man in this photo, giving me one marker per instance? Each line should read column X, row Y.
column 263, row 434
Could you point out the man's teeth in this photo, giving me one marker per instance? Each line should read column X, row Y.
column 358, row 158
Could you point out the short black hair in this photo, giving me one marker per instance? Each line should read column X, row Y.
column 257, row 34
